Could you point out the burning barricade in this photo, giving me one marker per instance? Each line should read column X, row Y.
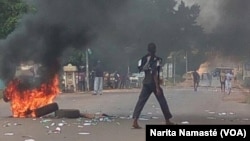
column 34, row 102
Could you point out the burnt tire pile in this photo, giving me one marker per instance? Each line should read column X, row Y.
column 59, row 113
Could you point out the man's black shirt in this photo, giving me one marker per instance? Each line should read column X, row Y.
column 150, row 65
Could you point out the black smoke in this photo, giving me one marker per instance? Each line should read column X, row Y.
column 118, row 31
column 233, row 30
column 55, row 25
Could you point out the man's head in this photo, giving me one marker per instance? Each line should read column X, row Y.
column 151, row 48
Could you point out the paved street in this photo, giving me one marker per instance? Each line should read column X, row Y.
column 206, row 106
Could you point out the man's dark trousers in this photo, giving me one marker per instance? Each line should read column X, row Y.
column 147, row 89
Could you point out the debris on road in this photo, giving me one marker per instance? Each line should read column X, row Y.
column 29, row 140
column 9, row 134
column 184, row 122
column 155, row 117
column 211, row 118
column 83, row 133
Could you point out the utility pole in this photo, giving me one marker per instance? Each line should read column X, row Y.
column 174, row 65
column 186, row 59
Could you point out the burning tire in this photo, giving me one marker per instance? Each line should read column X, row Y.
column 47, row 109
column 5, row 99
column 67, row 113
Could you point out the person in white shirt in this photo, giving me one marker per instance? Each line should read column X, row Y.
column 228, row 82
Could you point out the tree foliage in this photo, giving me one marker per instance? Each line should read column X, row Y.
column 10, row 13
column 171, row 27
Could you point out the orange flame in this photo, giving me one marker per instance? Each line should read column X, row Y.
column 24, row 102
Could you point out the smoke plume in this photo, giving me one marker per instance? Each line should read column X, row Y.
column 43, row 35
column 232, row 32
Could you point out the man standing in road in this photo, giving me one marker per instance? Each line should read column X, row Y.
column 228, row 82
column 210, row 78
column 98, row 81
column 196, row 79
column 222, row 80
column 151, row 65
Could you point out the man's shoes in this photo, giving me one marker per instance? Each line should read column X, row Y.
column 168, row 122
column 136, row 126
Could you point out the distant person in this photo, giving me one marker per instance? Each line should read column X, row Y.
column 151, row 65
column 222, row 80
column 228, row 82
column 82, row 78
column 98, row 82
column 109, row 83
column 91, row 80
column 117, row 79
column 210, row 77
column 123, row 80
column 196, row 80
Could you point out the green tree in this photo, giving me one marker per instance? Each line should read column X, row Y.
column 171, row 28
column 10, row 13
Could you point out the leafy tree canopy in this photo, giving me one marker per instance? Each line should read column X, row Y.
column 10, row 13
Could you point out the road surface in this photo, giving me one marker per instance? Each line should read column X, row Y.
column 206, row 106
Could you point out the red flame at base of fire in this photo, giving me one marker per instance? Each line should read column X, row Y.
column 24, row 102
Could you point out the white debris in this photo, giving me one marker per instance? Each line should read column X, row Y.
column 87, row 121
column 46, row 120
column 16, row 124
column 87, row 124
column 8, row 134
column 7, row 125
column 97, row 113
column 231, row 113
column 29, row 140
column 83, row 133
column 130, row 117
column 60, row 124
column 56, row 131
column 184, row 122
column 52, row 124
column 143, row 119
column 222, row 114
